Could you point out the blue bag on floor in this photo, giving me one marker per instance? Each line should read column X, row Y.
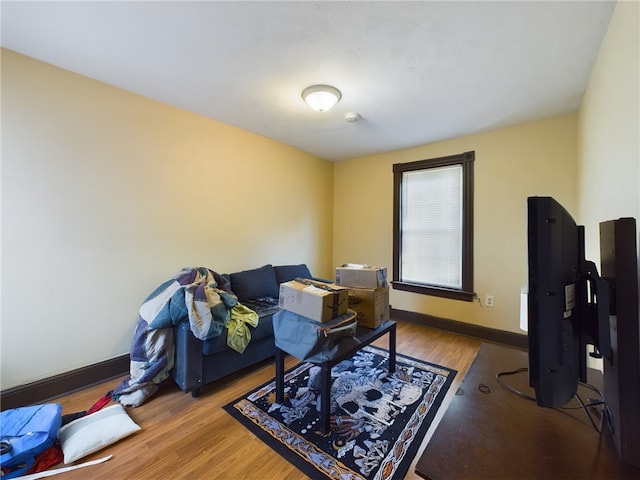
column 25, row 433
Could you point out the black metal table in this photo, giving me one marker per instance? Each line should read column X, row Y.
column 485, row 420
column 365, row 336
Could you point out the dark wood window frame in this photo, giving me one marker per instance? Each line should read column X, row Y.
column 466, row 160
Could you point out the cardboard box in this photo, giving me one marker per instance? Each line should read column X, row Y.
column 370, row 304
column 318, row 301
column 361, row 276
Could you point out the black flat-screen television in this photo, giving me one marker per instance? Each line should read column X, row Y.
column 619, row 267
column 570, row 307
column 567, row 304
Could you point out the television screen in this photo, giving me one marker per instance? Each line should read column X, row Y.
column 619, row 265
column 556, row 289
column 570, row 307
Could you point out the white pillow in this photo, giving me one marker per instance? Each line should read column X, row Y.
column 91, row 433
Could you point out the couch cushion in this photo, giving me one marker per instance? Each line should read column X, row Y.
column 257, row 283
column 286, row 273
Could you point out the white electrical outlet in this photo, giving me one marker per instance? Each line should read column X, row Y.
column 489, row 301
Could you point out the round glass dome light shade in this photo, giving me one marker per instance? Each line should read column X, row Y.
column 321, row 97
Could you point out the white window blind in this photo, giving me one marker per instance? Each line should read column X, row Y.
column 432, row 226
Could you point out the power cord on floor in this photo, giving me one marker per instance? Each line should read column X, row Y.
column 509, row 387
column 584, row 406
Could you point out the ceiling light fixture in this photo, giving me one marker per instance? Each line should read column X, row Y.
column 321, row 97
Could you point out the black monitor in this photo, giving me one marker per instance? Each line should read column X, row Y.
column 619, row 266
column 571, row 307
column 567, row 304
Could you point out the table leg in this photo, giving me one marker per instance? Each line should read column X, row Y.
column 279, row 375
column 392, row 349
column 325, row 397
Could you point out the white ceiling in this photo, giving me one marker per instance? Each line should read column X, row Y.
column 417, row 72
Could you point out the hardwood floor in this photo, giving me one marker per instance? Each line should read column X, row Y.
column 187, row 438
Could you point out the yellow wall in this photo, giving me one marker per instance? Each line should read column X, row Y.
column 513, row 163
column 106, row 194
column 609, row 143
column 589, row 161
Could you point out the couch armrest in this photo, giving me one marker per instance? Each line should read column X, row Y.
column 187, row 369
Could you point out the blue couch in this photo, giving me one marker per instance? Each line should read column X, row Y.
column 198, row 363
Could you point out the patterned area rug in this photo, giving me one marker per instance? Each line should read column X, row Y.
column 378, row 420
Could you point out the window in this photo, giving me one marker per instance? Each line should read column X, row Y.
column 433, row 226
